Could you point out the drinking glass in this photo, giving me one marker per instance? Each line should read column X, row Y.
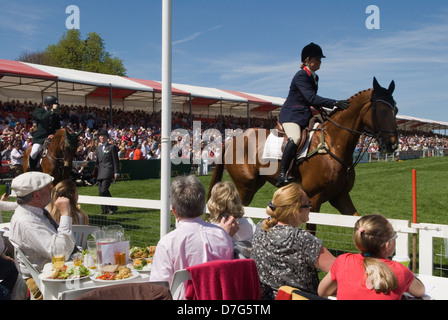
column 90, row 257
column 58, row 256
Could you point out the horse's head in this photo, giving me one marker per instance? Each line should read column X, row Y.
column 383, row 122
column 71, row 140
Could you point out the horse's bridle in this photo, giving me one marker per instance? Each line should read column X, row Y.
column 392, row 105
column 376, row 132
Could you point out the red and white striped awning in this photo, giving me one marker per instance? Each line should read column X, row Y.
column 15, row 75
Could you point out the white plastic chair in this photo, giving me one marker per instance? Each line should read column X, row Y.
column 73, row 294
column 81, row 234
column 19, row 255
column 179, row 277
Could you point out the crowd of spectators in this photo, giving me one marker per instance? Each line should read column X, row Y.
column 408, row 141
column 141, row 130
column 130, row 130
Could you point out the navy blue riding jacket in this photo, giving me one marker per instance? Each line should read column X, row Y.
column 302, row 95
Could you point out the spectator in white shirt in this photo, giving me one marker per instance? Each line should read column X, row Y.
column 17, row 158
column 194, row 241
column 6, row 205
column 32, row 227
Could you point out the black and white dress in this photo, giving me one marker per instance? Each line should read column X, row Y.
column 285, row 255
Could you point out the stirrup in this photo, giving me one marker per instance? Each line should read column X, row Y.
column 281, row 182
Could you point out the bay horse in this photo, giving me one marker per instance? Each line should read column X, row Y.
column 327, row 172
column 58, row 158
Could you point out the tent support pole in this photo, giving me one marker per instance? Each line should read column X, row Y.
column 153, row 103
column 248, row 115
column 110, row 105
column 191, row 112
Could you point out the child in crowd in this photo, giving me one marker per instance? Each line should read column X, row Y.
column 370, row 275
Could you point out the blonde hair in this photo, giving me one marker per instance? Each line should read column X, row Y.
column 66, row 188
column 370, row 235
column 224, row 200
column 283, row 204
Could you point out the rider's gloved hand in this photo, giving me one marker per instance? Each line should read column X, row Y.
column 341, row 104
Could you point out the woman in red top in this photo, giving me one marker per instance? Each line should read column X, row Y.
column 369, row 275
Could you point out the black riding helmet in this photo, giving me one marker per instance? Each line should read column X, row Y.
column 50, row 101
column 312, row 50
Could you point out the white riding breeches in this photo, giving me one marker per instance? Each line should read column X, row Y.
column 293, row 131
column 35, row 150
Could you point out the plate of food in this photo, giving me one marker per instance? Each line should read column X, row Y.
column 139, row 252
column 141, row 264
column 66, row 273
column 114, row 273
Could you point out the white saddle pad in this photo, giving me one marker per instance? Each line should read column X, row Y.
column 273, row 146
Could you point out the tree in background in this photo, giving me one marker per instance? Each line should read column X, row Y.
column 73, row 52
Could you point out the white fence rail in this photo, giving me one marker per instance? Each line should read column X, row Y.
column 403, row 228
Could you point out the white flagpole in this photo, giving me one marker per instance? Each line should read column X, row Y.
column 166, row 117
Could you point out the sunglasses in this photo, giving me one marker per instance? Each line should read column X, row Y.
column 394, row 237
column 306, row 206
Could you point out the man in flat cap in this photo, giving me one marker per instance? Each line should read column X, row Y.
column 108, row 167
column 32, row 227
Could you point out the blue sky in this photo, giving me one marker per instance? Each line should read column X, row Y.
column 254, row 45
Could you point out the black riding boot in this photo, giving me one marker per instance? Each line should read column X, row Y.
column 288, row 155
column 32, row 164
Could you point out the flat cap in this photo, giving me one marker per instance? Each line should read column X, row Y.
column 28, row 182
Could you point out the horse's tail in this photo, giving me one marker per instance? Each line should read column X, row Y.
column 217, row 174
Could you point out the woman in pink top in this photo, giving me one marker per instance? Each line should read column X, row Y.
column 370, row 275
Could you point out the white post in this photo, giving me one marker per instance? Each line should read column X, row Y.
column 166, row 117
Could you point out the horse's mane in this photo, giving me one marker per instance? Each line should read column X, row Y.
column 360, row 93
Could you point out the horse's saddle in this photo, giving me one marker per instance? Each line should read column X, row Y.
column 43, row 150
column 276, row 141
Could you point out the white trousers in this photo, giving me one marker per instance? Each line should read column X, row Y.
column 293, row 131
column 35, row 150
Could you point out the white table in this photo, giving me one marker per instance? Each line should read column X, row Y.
column 436, row 287
column 52, row 289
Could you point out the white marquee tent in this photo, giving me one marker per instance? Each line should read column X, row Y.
column 27, row 81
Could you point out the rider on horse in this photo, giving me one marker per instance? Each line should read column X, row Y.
column 48, row 121
column 296, row 111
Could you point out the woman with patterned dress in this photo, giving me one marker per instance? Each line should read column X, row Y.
column 285, row 254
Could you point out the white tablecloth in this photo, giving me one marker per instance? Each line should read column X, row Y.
column 436, row 287
column 52, row 289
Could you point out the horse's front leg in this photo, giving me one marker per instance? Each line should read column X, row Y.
column 316, row 204
column 344, row 204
